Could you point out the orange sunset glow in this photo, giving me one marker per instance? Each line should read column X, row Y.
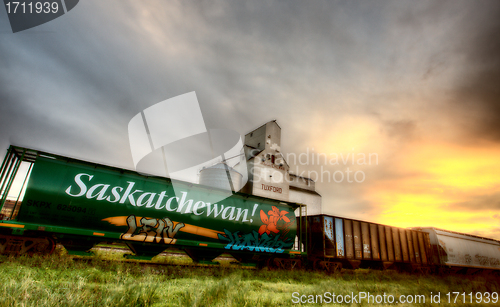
column 442, row 185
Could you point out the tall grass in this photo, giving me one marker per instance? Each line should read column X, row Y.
column 58, row 280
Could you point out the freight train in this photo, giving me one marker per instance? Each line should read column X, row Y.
column 79, row 204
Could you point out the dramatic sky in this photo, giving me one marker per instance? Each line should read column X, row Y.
column 414, row 83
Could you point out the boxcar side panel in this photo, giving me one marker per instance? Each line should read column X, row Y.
column 374, row 242
column 339, row 235
column 349, row 240
column 411, row 252
column 365, row 237
column 329, row 237
column 358, row 250
column 404, row 245
column 383, row 243
column 397, row 244
column 415, row 246
column 390, row 245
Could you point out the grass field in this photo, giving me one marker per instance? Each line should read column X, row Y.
column 58, row 280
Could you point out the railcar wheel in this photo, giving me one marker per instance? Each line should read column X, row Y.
column 43, row 246
column 26, row 245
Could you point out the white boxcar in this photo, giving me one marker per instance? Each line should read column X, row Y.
column 462, row 250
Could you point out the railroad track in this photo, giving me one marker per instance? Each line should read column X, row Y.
column 146, row 263
column 166, row 253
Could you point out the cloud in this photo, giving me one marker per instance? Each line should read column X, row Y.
column 404, row 130
column 477, row 89
column 487, row 203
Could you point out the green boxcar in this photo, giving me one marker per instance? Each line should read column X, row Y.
column 71, row 198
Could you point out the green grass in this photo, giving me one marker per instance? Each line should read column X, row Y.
column 58, row 280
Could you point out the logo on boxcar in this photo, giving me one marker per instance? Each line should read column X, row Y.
column 271, row 238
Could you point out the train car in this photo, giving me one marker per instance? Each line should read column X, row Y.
column 80, row 204
column 464, row 253
column 337, row 242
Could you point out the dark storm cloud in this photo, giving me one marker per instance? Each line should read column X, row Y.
column 73, row 90
column 50, row 102
column 478, row 89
